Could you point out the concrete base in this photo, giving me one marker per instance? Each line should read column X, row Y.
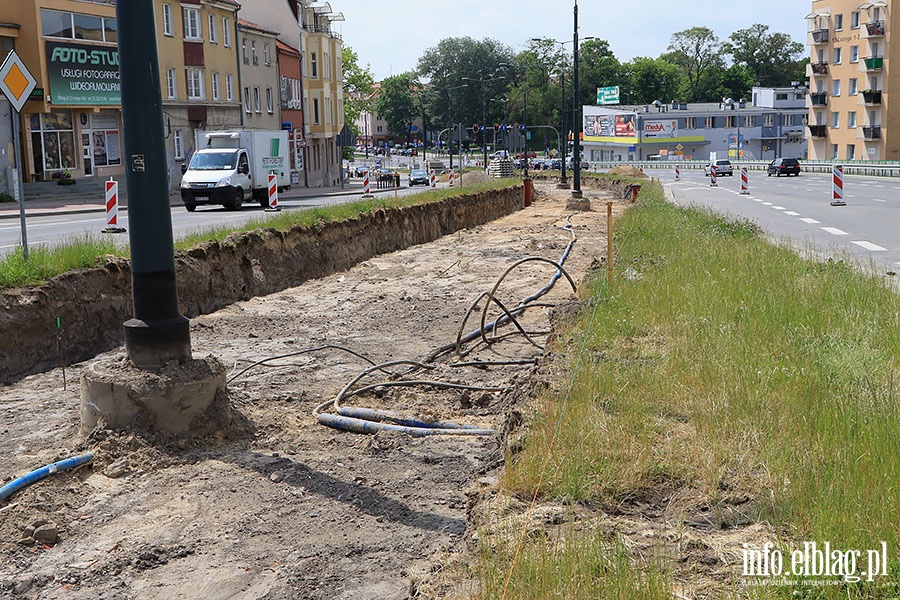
column 578, row 202
column 118, row 393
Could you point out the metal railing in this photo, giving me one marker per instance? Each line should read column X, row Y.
column 851, row 167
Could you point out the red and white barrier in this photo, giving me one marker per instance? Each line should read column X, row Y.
column 433, row 180
column 366, row 190
column 112, row 207
column 451, row 178
column 712, row 176
column 273, row 193
column 837, row 175
column 677, row 173
column 744, row 185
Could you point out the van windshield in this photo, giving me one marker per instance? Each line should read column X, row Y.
column 213, row 161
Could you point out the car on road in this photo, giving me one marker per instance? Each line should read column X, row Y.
column 360, row 170
column 784, row 166
column 417, row 176
column 723, row 167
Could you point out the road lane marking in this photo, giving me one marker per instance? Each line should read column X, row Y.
column 834, row 231
column 878, row 200
column 779, row 208
column 870, row 246
column 791, row 213
column 767, row 204
column 810, row 221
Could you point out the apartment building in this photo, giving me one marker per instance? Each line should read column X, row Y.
column 309, row 28
column 849, row 81
column 260, row 82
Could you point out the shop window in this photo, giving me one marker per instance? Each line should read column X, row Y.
column 53, row 141
column 56, row 24
column 105, row 129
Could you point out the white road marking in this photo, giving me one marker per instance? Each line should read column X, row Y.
column 767, row 204
column 870, row 246
column 791, row 213
column 779, row 208
column 834, row 231
column 810, row 221
column 879, row 199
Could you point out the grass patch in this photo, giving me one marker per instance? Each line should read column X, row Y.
column 724, row 358
column 86, row 251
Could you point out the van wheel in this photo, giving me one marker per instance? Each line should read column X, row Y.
column 237, row 199
column 190, row 206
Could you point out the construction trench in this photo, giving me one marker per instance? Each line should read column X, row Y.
column 381, row 325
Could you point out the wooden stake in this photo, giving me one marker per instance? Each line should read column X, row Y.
column 609, row 246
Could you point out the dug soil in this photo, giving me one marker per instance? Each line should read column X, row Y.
column 272, row 504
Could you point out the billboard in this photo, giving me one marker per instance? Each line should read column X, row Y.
column 608, row 95
column 660, row 129
column 83, row 74
column 618, row 125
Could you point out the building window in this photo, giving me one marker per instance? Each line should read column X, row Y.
column 834, row 152
column 836, row 87
column 851, row 119
column 851, row 152
column 709, row 122
column 837, row 56
column 192, row 24
column 750, row 120
column 229, row 87
column 247, row 100
column 315, row 111
column 56, row 24
column 769, row 120
column 854, row 20
column 835, row 119
column 171, row 83
column 853, row 86
column 854, row 54
column 178, row 143
column 71, row 26
column 314, row 65
column 270, row 101
column 54, row 134
column 244, row 54
column 167, row 20
column 730, row 121
column 213, row 36
column 838, row 22
column 215, row 87
column 253, row 52
column 256, row 100
column 226, row 32
column 267, row 56
column 690, row 123
column 194, row 84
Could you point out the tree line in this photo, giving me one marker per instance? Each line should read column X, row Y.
column 463, row 80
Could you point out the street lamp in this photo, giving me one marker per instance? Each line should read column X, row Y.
column 483, row 81
column 576, row 116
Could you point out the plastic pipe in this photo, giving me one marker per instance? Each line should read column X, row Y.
column 76, row 461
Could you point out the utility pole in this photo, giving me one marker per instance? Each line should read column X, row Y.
column 576, row 117
column 158, row 333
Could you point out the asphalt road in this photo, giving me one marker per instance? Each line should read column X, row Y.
column 798, row 210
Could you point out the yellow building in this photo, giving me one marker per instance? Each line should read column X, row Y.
column 849, row 81
column 73, row 123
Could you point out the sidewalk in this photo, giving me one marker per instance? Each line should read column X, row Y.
column 63, row 205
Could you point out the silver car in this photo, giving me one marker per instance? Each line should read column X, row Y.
column 723, row 167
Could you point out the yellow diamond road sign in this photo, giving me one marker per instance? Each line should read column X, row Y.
column 15, row 80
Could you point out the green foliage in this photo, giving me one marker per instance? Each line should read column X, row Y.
column 772, row 59
column 698, row 52
column 396, row 103
column 44, row 263
column 4, row 197
column 359, row 85
column 649, row 79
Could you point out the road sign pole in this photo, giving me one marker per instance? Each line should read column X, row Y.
column 17, row 184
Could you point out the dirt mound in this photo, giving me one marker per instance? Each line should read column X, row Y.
column 628, row 171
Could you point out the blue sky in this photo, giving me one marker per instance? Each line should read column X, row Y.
column 390, row 35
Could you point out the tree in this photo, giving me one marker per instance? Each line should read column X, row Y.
column 446, row 65
column 698, row 52
column 649, row 79
column 396, row 103
column 597, row 67
column 359, row 84
column 773, row 60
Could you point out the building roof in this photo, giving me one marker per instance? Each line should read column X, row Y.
column 245, row 24
column 286, row 49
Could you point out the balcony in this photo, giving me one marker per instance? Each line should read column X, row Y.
column 871, row 132
column 820, row 36
column 871, row 96
column 820, row 68
column 817, row 131
column 818, row 99
column 875, row 28
column 875, row 63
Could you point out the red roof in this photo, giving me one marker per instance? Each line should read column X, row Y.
column 245, row 24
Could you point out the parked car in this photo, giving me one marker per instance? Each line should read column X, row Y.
column 360, row 170
column 723, row 167
column 417, row 176
column 784, row 166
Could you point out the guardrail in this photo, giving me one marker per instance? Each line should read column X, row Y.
column 872, row 169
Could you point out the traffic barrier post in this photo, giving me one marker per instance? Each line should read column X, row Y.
column 677, row 173
column 451, row 178
column 744, row 184
column 433, row 181
column 837, row 176
column 112, row 207
column 712, row 176
column 273, row 194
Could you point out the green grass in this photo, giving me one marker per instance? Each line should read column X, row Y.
column 87, row 251
column 722, row 357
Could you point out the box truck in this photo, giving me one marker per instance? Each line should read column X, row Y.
column 229, row 167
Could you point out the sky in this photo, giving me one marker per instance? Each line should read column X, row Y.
column 390, row 35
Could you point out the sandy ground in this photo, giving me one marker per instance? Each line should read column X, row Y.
column 278, row 506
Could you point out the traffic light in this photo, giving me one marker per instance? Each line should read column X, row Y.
column 496, row 127
column 475, row 128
